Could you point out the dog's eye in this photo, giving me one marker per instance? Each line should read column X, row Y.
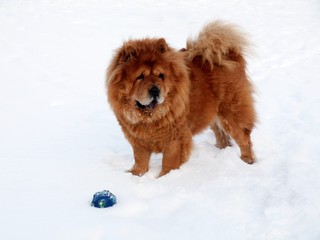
column 161, row 75
column 140, row 77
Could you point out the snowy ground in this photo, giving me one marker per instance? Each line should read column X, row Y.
column 60, row 143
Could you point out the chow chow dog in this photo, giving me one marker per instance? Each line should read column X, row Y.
column 161, row 97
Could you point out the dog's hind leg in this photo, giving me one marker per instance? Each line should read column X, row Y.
column 223, row 139
column 241, row 134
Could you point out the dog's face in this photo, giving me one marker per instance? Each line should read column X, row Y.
column 149, row 89
column 146, row 80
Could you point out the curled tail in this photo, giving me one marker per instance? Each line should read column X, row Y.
column 218, row 44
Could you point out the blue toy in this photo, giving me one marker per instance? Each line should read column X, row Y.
column 103, row 199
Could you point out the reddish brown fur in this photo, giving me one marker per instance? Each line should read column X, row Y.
column 203, row 85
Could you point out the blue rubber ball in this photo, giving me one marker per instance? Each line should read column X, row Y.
column 103, row 199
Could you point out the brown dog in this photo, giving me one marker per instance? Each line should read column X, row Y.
column 161, row 97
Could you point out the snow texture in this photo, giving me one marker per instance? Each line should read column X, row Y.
column 60, row 143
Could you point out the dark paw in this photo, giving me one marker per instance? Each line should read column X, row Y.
column 247, row 159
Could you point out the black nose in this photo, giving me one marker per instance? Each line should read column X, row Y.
column 154, row 92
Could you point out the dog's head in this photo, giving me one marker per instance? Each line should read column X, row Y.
column 146, row 80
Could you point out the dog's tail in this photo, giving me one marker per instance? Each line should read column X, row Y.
column 218, row 44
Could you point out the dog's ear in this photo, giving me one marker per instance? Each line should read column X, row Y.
column 162, row 46
column 126, row 53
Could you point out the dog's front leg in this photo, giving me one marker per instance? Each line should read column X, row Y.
column 171, row 157
column 141, row 158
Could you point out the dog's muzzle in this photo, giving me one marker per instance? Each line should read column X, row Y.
column 154, row 97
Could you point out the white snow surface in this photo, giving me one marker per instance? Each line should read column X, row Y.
column 60, row 142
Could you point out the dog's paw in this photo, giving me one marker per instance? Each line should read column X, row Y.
column 222, row 145
column 138, row 171
column 162, row 173
column 247, row 159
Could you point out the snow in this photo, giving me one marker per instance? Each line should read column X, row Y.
column 60, row 143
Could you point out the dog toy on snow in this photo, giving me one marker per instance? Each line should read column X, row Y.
column 103, row 199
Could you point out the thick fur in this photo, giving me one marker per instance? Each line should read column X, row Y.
column 161, row 96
